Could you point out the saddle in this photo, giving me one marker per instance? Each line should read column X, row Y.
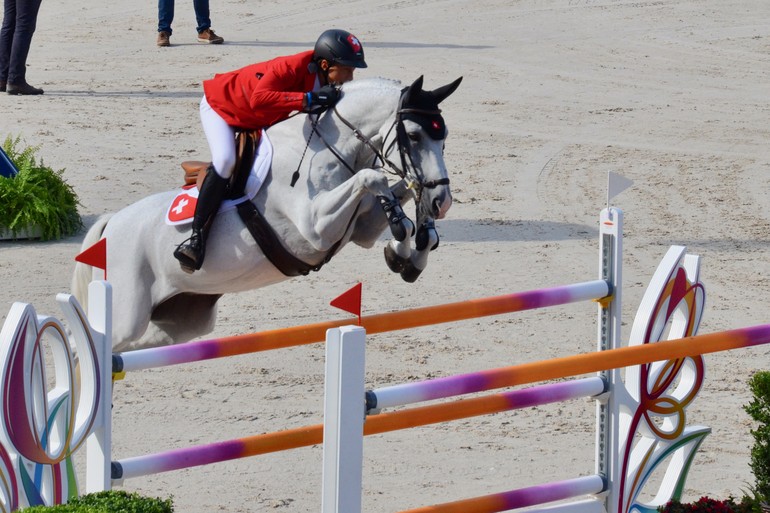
column 246, row 143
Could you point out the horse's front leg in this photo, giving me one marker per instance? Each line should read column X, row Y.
column 399, row 249
column 411, row 266
column 330, row 211
column 400, row 225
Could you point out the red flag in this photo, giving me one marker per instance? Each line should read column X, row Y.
column 95, row 256
column 350, row 301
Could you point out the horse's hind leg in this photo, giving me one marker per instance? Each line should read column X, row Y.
column 131, row 302
column 182, row 318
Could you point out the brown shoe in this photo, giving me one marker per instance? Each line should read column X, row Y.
column 208, row 36
column 164, row 39
column 23, row 88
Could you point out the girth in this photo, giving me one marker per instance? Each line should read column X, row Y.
column 269, row 243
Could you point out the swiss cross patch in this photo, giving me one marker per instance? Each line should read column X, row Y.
column 182, row 209
column 354, row 43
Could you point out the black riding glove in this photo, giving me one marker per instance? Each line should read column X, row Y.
column 326, row 96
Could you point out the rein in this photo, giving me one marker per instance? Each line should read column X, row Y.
column 313, row 131
column 414, row 179
column 407, row 171
column 314, row 123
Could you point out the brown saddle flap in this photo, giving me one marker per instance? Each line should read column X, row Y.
column 194, row 171
column 246, row 143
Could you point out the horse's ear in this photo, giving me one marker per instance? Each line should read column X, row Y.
column 413, row 90
column 442, row 93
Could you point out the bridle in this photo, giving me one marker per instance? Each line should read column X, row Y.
column 408, row 171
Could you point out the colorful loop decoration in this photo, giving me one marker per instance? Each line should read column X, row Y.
column 654, row 396
column 46, row 414
column 9, row 497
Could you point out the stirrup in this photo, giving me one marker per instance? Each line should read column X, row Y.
column 189, row 260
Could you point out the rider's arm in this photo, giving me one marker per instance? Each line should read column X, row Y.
column 282, row 86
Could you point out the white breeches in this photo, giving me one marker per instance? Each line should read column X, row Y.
column 221, row 138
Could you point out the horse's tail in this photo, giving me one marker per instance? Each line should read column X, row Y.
column 83, row 272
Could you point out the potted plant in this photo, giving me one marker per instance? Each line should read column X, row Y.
column 35, row 201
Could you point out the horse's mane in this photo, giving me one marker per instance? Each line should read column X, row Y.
column 374, row 84
column 368, row 96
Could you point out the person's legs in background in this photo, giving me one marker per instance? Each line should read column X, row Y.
column 165, row 18
column 203, row 19
column 202, row 15
column 26, row 22
column 6, row 40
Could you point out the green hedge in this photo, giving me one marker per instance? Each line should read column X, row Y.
column 108, row 502
column 759, row 410
column 758, row 494
column 37, row 198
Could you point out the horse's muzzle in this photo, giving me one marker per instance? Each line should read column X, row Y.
column 441, row 204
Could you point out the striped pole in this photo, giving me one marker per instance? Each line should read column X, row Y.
column 442, row 388
column 379, row 323
column 420, row 416
column 522, row 498
column 178, row 459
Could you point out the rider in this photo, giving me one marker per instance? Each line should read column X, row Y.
column 255, row 97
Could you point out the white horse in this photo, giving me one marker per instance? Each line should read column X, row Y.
column 325, row 188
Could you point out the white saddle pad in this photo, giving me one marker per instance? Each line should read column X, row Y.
column 182, row 208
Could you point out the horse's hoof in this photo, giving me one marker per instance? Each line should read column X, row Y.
column 410, row 273
column 395, row 262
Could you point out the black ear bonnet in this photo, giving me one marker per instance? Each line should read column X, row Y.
column 429, row 116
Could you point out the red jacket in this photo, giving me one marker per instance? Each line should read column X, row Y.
column 261, row 94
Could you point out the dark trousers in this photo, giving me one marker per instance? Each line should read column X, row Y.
column 166, row 15
column 19, row 21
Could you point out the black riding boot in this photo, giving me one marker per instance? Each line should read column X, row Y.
column 191, row 252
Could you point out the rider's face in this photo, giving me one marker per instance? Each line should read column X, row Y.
column 339, row 74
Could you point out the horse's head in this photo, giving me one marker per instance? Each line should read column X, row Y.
column 421, row 133
column 375, row 127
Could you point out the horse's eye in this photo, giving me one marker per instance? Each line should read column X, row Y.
column 414, row 136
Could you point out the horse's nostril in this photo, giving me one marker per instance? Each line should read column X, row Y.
column 437, row 207
column 440, row 205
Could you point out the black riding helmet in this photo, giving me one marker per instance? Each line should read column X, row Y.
column 339, row 47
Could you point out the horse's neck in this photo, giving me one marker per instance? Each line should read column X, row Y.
column 367, row 105
column 365, row 111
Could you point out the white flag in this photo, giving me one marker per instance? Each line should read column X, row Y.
column 616, row 184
